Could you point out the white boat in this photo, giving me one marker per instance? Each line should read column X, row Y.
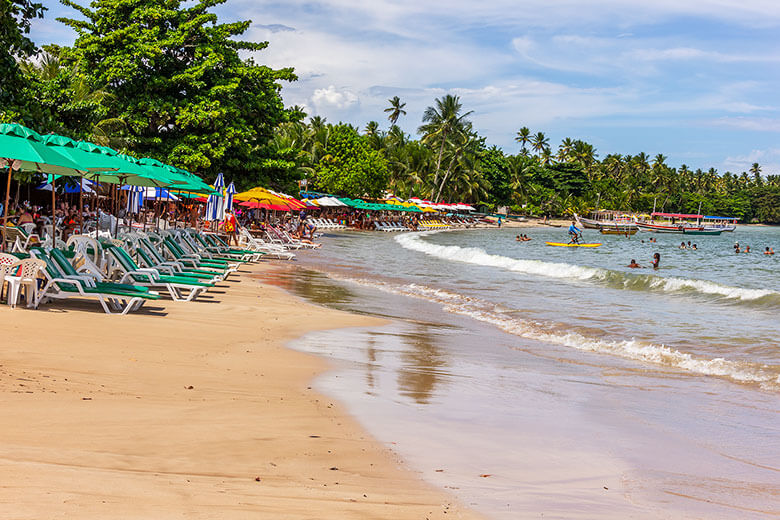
column 618, row 221
column 720, row 223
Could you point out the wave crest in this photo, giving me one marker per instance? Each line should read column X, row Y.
column 768, row 377
column 563, row 271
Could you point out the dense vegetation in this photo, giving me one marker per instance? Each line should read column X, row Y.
column 165, row 79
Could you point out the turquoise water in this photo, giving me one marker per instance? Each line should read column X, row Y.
column 583, row 387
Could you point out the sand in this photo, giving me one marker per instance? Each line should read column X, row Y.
column 188, row 410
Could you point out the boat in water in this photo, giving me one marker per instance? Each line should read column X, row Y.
column 618, row 221
column 618, row 231
column 677, row 223
column 723, row 223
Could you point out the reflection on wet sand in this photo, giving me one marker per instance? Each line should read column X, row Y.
column 309, row 285
column 421, row 367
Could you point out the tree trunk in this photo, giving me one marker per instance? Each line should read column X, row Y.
column 446, row 174
column 438, row 160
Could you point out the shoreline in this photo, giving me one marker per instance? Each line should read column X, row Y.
column 184, row 410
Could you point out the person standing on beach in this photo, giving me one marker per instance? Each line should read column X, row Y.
column 230, row 227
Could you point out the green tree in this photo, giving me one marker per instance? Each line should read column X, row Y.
column 178, row 82
column 540, row 143
column 16, row 101
column 350, row 167
column 496, row 170
column 396, row 109
column 523, row 137
column 439, row 122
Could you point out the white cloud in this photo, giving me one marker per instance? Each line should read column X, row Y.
column 598, row 65
column 334, row 97
column 768, row 159
column 758, row 124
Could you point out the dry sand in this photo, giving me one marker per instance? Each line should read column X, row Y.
column 188, row 410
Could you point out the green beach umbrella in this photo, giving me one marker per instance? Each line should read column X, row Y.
column 22, row 149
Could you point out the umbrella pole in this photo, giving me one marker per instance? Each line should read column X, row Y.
column 156, row 211
column 81, row 208
column 53, row 215
column 5, row 206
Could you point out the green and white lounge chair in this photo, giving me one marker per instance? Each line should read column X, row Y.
column 146, row 261
column 155, row 259
column 181, row 288
column 177, row 253
column 114, row 298
column 187, row 242
column 214, row 244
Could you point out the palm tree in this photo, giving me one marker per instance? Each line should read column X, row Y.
column 439, row 122
column 372, row 127
column 540, row 142
column 755, row 169
column 523, row 137
column 546, row 156
column 465, row 147
column 565, row 149
column 396, row 109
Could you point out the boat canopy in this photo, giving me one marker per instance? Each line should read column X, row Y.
column 675, row 215
column 710, row 217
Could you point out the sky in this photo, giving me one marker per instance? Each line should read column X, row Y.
column 695, row 80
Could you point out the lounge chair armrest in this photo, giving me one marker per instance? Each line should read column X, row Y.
column 144, row 274
column 72, row 281
column 87, row 279
column 166, row 269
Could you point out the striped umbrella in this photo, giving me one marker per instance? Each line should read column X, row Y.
column 229, row 192
column 214, row 208
column 135, row 199
column 219, row 183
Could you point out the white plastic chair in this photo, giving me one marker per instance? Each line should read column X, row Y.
column 8, row 265
column 27, row 277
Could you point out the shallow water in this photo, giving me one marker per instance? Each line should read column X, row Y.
column 581, row 387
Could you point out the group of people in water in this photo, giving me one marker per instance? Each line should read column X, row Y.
column 767, row 251
column 654, row 263
column 575, row 233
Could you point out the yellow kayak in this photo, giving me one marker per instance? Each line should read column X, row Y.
column 561, row 244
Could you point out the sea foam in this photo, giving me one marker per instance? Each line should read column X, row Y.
column 563, row 271
column 768, row 377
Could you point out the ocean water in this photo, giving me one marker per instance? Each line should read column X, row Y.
column 532, row 380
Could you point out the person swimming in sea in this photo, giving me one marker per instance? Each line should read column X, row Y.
column 656, row 260
column 517, row 238
column 695, row 248
column 633, row 264
column 769, row 251
column 682, row 245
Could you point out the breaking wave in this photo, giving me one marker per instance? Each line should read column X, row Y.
column 768, row 377
column 613, row 279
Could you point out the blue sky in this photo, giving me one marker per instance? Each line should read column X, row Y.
column 696, row 80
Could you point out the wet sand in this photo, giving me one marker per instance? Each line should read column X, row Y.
column 189, row 410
